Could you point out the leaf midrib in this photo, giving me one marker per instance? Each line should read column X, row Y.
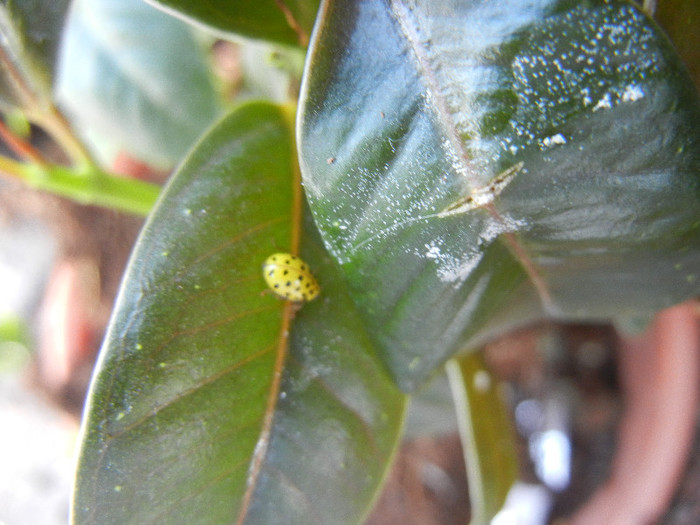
column 403, row 17
column 260, row 452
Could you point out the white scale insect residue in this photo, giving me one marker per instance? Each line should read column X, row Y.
column 554, row 140
column 632, row 93
column 476, row 198
column 586, row 97
column 433, row 251
column 451, row 269
column 603, row 103
column 506, row 225
column 456, row 272
column 342, row 226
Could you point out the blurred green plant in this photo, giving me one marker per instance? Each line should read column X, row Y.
column 14, row 343
column 469, row 169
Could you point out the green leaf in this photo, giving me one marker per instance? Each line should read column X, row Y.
column 31, row 32
column 487, row 434
column 213, row 401
column 281, row 21
column 478, row 166
column 136, row 77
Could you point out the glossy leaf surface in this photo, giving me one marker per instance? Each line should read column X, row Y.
column 215, row 402
column 31, row 32
column 136, row 77
column 284, row 22
column 479, row 165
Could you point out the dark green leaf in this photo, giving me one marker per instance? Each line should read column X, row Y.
column 31, row 31
column 213, row 402
column 681, row 19
column 281, row 21
column 136, row 78
column 579, row 112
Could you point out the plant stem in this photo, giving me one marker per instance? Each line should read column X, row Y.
column 56, row 125
column 43, row 112
column 89, row 187
column 21, row 147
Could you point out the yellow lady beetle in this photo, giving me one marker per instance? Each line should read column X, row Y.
column 289, row 277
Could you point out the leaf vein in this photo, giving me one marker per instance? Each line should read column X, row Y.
column 182, row 395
